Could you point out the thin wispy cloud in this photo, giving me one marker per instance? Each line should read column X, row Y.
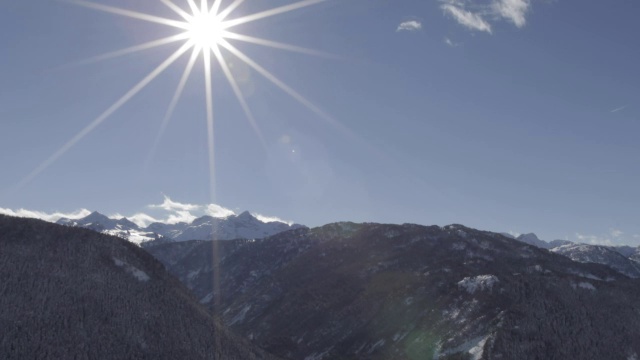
column 171, row 205
column 410, row 25
column 616, row 233
column 268, row 219
column 468, row 19
column 594, row 239
column 176, row 212
column 514, row 11
column 479, row 15
column 173, row 212
column 142, row 219
column 450, row 42
column 614, row 237
column 51, row 217
column 618, row 109
column 218, row 211
column 180, row 216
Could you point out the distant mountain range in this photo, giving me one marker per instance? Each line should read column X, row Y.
column 377, row 292
column 624, row 259
column 532, row 239
column 340, row 291
column 242, row 226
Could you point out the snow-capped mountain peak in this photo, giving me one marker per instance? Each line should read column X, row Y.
column 244, row 225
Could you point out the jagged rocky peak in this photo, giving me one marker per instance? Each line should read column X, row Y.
column 96, row 217
column 246, row 215
column 244, row 225
column 532, row 239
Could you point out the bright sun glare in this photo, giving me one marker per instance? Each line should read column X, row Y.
column 206, row 31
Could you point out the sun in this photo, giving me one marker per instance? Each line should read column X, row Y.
column 205, row 29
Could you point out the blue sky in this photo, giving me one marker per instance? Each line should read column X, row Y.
column 505, row 115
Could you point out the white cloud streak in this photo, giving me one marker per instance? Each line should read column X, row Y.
column 268, row 219
column 182, row 212
column 473, row 21
column 618, row 109
column 477, row 16
column 218, row 211
column 142, row 219
column 51, row 217
column 180, row 216
column 410, row 25
column 594, row 239
column 614, row 237
column 616, row 233
column 170, row 205
column 450, row 42
column 512, row 10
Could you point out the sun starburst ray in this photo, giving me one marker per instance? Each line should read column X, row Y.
column 271, row 12
column 275, row 44
column 177, row 9
column 193, row 6
column 172, row 105
column 133, row 49
column 131, row 14
column 204, row 29
column 210, row 133
column 280, row 84
column 113, row 108
column 224, row 13
column 241, row 99
column 215, row 8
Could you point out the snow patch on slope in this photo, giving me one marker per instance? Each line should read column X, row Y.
column 137, row 273
column 473, row 347
column 584, row 285
column 239, row 318
column 478, row 283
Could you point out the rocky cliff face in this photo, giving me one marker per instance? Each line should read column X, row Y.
column 71, row 293
column 372, row 291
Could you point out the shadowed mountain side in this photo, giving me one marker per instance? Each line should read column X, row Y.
column 372, row 291
column 72, row 293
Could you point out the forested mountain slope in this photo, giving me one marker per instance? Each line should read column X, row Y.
column 374, row 291
column 72, row 293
